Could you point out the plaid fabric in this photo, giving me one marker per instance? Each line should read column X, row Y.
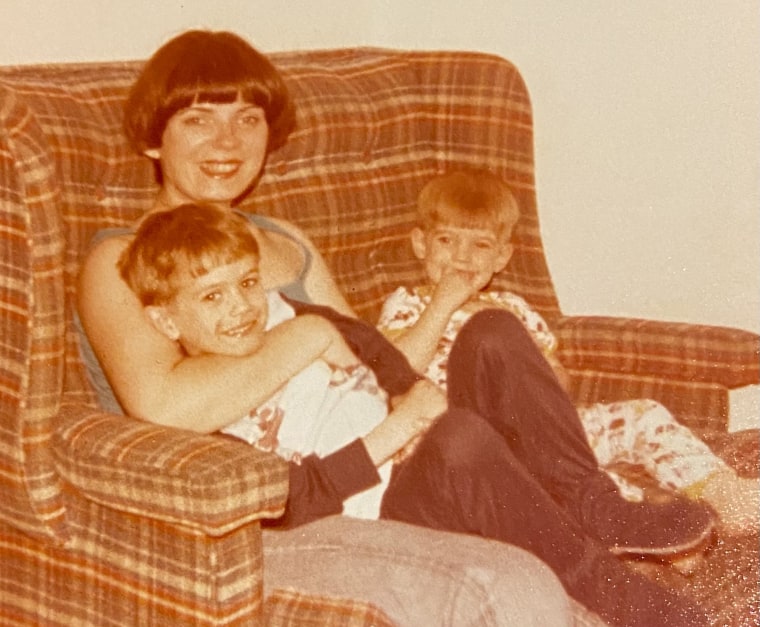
column 118, row 569
column 688, row 368
column 211, row 484
column 372, row 127
column 31, row 323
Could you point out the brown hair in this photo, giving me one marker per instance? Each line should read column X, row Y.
column 469, row 199
column 204, row 66
column 189, row 240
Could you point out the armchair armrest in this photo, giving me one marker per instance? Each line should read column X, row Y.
column 670, row 350
column 208, row 482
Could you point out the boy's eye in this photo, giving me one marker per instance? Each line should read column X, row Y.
column 250, row 282
column 211, row 297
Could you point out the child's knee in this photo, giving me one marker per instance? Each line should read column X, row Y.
column 462, row 438
column 494, row 327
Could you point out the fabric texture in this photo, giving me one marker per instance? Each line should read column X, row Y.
column 79, row 540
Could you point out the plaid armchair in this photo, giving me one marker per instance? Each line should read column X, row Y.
column 104, row 519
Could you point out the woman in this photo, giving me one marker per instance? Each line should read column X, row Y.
column 206, row 109
column 208, row 146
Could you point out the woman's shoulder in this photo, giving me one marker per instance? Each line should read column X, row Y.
column 278, row 225
column 99, row 267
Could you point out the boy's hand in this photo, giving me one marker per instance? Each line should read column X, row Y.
column 411, row 416
column 424, row 398
column 429, row 401
column 453, row 290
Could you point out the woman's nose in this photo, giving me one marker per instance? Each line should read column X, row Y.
column 226, row 134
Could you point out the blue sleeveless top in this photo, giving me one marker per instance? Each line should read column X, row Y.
column 295, row 290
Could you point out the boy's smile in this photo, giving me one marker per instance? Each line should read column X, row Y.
column 473, row 253
column 222, row 312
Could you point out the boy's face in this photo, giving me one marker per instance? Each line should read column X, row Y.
column 473, row 253
column 222, row 312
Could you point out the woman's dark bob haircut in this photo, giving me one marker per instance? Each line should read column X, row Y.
column 210, row 67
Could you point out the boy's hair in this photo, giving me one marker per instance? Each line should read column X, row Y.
column 189, row 240
column 210, row 67
column 468, row 199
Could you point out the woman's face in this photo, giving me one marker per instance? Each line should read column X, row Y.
column 211, row 152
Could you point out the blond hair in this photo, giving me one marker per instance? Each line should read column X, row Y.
column 468, row 199
column 187, row 241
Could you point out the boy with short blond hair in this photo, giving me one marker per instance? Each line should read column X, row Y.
column 195, row 269
column 465, row 223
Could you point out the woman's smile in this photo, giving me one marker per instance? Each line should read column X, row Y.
column 212, row 152
column 221, row 169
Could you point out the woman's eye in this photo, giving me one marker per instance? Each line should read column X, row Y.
column 194, row 120
column 250, row 120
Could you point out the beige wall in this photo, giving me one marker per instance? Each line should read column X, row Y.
column 646, row 115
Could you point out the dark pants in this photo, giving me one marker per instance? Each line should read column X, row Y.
column 510, row 461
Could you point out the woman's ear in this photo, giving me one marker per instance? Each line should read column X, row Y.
column 162, row 321
column 419, row 246
column 152, row 153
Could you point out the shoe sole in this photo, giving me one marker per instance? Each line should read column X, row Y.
column 666, row 551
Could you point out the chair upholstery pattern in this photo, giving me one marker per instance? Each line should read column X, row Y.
column 102, row 516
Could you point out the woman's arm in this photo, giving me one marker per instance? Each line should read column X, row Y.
column 152, row 378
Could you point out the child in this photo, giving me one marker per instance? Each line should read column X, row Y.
column 195, row 270
column 463, row 238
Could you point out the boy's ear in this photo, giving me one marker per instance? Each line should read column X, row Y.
column 504, row 256
column 418, row 242
column 162, row 321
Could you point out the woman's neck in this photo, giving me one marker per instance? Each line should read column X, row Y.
column 164, row 201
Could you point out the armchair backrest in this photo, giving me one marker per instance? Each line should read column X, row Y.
column 372, row 127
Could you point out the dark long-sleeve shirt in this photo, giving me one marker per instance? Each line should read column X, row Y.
column 319, row 485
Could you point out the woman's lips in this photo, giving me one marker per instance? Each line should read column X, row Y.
column 220, row 169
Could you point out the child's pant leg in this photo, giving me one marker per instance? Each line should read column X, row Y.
column 463, row 477
column 644, row 432
column 496, row 370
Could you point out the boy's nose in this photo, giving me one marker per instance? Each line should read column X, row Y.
column 239, row 302
column 462, row 252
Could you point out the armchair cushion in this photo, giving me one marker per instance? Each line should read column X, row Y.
column 688, row 352
column 211, row 483
column 689, row 368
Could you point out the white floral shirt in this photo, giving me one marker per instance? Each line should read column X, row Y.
column 404, row 307
column 319, row 410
